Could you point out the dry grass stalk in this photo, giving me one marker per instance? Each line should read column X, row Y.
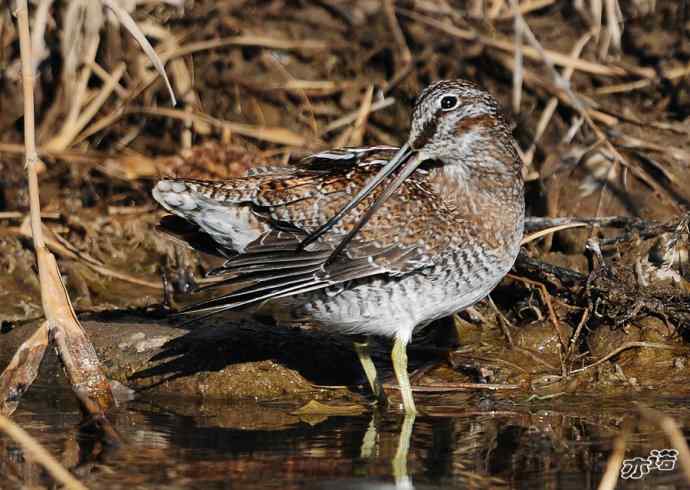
column 39, row 454
column 282, row 136
column 127, row 21
column 71, row 129
column 76, row 352
column 552, row 104
column 84, row 20
column 670, row 427
column 548, row 231
column 75, row 156
column 517, row 73
column 352, row 117
column 248, row 40
column 360, row 126
column 525, row 8
column 586, row 115
column 403, row 51
column 500, row 44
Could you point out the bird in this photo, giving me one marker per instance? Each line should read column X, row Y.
column 375, row 241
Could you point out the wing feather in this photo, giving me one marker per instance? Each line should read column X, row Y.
column 403, row 237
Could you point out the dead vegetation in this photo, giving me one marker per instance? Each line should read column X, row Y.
column 598, row 89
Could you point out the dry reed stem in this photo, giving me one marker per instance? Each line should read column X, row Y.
column 613, row 466
column 675, row 436
column 76, row 352
column 108, row 78
column 39, row 454
column 38, row 46
column 79, row 94
column 22, row 370
column 70, row 130
column 517, row 73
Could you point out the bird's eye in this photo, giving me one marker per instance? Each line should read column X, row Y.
column 449, row 102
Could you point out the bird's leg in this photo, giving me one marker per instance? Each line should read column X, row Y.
column 364, row 354
column 399, row 463
column 399, row 356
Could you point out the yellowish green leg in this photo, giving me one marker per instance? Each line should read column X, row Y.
column 399, row 463
column 399, row 356
column 364, row 354
column 366, row 451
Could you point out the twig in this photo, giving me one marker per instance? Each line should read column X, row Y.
column 440, row 388
column 576, row 335
column 546, row 298
column 39, row 453
column 538, row 234
column 629, row 345
column 503, row 322
column 52, row 242
column 74, row 156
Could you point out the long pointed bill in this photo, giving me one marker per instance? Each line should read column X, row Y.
column 410, row 166
column 398, row 159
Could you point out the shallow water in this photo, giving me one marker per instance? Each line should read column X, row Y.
column 479, row 443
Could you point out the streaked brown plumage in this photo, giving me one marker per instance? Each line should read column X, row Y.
column 439, row 242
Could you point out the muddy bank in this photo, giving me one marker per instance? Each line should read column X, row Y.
column 238, row 359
